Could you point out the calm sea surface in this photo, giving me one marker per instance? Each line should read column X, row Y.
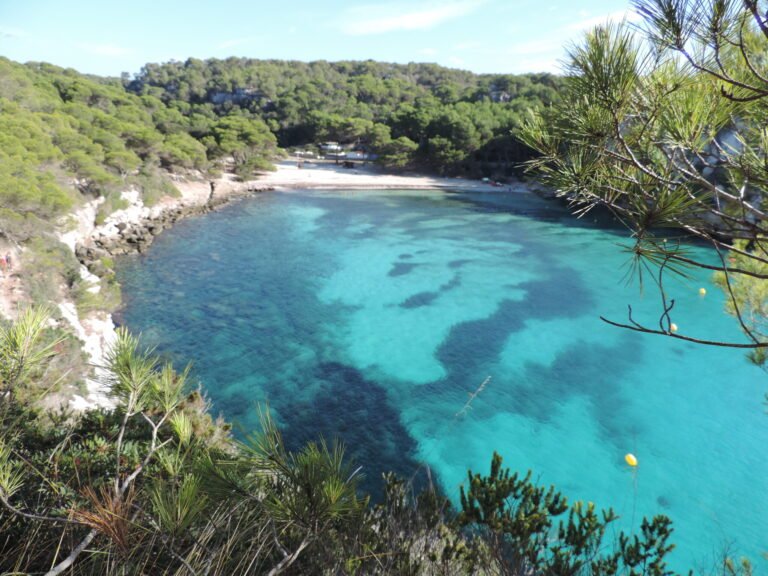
column 371, row 316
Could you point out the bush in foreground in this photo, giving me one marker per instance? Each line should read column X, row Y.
column 158, row 486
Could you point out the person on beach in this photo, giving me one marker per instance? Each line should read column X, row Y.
column 8, row 265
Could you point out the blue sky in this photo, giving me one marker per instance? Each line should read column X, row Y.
column 109, row 37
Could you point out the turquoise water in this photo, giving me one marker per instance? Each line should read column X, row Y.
column 372, row 315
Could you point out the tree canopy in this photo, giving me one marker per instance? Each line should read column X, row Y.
column 65, row 136
column 665, row 125
column 460, row 122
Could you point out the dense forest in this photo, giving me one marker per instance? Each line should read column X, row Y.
column 422, row 115
column 66, row 135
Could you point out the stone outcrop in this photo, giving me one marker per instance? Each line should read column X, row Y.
column 131, row 237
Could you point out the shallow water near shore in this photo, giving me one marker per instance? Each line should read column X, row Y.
column 372, row 316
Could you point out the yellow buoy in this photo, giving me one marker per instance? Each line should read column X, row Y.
column 702, row 291
column 673, row 327
column 630, row 459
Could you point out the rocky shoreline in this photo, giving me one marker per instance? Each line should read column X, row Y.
column 127, row 231
column 133, row 229
column 128, row 237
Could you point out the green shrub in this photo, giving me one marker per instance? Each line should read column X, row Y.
column 48, row 268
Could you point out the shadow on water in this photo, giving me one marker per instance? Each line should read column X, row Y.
column 533, row 207
column 257, row 334
column 472, row 349
column 402, row 268
column 428, row 297
column 593, row 371
column 355, row 410
column 472, row 346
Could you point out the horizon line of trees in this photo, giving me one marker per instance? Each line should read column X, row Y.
column 412, row 115
column 66, row 136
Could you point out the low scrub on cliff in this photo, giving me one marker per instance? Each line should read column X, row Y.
column 65, row 136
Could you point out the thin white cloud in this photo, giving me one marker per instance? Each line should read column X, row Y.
column 104, row 49
column 429, row 51
column 469, row 45
column 546, row 54
column 536, row 65
column 6, row 32
column 591, row 22
column 382, row 18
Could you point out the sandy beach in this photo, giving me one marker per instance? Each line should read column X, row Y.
column 326, row 174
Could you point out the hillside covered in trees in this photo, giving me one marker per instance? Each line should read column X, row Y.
column 68, row 136
column 422, row 115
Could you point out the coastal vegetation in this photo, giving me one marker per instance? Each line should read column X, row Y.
column 667, row 129
column 417, row 115
column 67, row 136
column 157, row 486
